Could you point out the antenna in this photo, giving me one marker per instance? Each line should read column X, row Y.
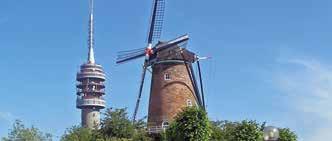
column 91, row 57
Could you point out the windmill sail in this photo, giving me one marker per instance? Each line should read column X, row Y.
column 201, row 84
column 156, row 21
column 122, row 58
column 178, row 41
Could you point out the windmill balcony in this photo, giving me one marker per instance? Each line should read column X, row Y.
column 156, row 129
column 94, row 102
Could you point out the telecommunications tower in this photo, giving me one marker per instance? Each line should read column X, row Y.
column 90, row 84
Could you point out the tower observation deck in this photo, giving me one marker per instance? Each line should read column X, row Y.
column 90, row 85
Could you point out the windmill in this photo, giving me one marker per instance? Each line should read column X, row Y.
column 173, row 83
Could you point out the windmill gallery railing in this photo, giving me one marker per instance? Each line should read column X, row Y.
column 156, row 129
column 153, row 129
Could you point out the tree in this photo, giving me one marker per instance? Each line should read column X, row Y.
column 216, row 132
column 21, row 133
column 248, row 131
column 222, row 130
column 287, row 135
column 141, row 135
column 190, row 125
column 77, row 133
column 237, row 131
column 117, row 124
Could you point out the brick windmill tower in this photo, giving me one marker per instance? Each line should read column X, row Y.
column 173, row 83
column 90, row 86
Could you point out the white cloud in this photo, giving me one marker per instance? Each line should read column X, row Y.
column 308, row 85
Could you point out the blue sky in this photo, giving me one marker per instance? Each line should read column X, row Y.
column 270, row 59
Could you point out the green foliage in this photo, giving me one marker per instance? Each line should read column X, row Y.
column 163, row 136
column 237, row 131
column 117, row 124
column 21, row 133
column 217, row 134
column 248, row 131
column 190, row 125
column 244, row 131
column 222, row 130
column 287, row 135
column 141, row 135
column 77, row 133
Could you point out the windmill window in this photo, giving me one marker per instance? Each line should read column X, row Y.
column 167, row 76
column 165, row 124
column 189, row 103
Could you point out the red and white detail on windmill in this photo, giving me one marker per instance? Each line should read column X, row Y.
column 148, row 51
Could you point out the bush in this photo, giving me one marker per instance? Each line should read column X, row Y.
column 287, row 135
column 115, row 126
column 77, row 133
column 190, row 125
column 21, row 133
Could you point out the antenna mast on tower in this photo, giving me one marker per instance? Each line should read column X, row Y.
column 91, row 57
